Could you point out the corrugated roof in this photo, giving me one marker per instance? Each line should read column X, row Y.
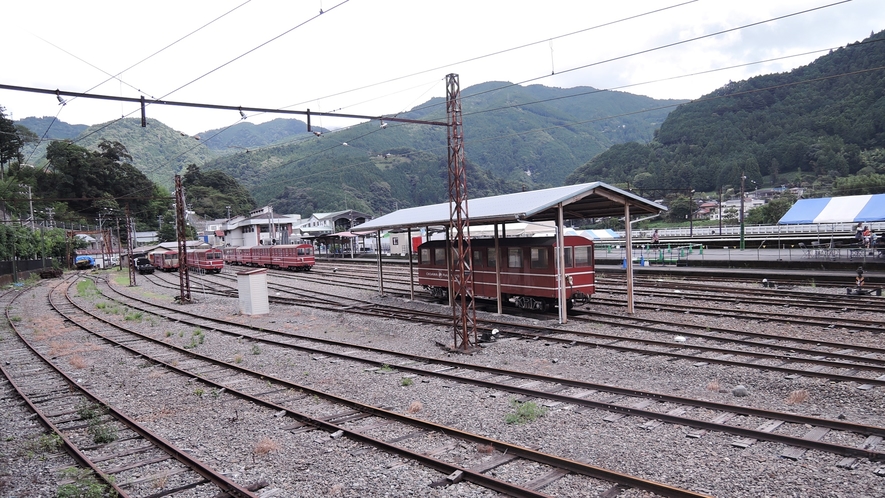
column 586, row 200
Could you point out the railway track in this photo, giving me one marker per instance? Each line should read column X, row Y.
column 656, row 407
column 115, row 452
column 276, row 393
column 832, row 360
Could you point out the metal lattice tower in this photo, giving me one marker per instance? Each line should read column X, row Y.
column 184, row 281
column 463, row 308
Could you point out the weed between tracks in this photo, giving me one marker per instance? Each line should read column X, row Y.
column 85, row 485
column 265, row 446
column 525, row 412
column 797, row 397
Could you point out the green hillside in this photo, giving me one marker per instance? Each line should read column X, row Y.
column 515, row 138
column 157, row 150
column 821, row 125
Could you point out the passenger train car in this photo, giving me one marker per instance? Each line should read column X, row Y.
column 528, row 270
column 205, row 260
column 165, row 260
column 297, row 257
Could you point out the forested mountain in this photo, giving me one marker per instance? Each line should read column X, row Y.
column 156, row 150
column 245, row 135
column 515, row 138
column 825, row 121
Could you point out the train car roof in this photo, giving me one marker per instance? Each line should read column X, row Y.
column 514, row 241
column 586, row 200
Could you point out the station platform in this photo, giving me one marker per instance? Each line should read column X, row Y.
column 790, row 264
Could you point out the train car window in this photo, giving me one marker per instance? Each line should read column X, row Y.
column 439, row 256
column 539, row 257
column 477, row 258
column 514, row 257
column 424, row 255
column 583, row 255
column 493, row 258
column 569, row 261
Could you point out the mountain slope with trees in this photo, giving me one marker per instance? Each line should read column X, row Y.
column 515, row 138
column 823, row 123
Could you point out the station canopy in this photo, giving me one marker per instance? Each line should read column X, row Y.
column 586, row 200
column 852, row 208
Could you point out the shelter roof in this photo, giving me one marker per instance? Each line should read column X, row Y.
column 586, row 200
column 852, row 208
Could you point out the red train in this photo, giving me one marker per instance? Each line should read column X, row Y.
column 297, row 257
column 528, row 270
column 205, row 260
column 165, row 260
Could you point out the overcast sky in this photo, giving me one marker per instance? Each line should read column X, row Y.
column 374, row 57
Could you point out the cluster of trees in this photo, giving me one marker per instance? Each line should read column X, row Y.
column 824, row 121
column 78, row 185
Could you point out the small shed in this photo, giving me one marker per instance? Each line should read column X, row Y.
column 252, row 289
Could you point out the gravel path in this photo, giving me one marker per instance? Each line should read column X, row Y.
column 251, row 443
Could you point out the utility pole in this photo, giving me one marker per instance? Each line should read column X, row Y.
column 184, row 282
column 691, row 214
column 129, row 235
column 743, row 178
column 119, row 251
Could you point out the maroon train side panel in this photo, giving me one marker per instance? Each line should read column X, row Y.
column 205, row 260
column 528, row 270
column 297, row 257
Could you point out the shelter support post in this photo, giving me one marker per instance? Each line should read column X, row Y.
column 498, row 272
column 449, row 266
column 560, row 264
column 380, row 271
column 628, row 225
column 411, row 267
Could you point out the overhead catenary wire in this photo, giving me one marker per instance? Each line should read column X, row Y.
column 116, row 76
column 492, row 54
column 645, row 51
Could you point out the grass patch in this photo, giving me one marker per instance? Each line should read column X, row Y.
column 197, row 338
column 256, row 349
column 387, row 368
column 86, row 288
column 406, row 382
column 85, row 485
column 524, row 412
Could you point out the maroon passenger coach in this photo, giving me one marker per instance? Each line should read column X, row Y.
column 528, row 270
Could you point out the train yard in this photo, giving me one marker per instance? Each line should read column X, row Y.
column 707, row 390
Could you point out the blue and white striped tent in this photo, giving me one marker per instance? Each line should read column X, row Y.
column 852, row 208
column 606, row 234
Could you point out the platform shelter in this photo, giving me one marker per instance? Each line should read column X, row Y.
column 586, row 200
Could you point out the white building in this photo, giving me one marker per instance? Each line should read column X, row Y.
column 261, row 227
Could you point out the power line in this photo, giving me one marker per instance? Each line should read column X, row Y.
column 646, row 51
column 499, row 52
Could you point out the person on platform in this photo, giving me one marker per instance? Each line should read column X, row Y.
column 858, row 233
column 655, row 238
column 867, row 235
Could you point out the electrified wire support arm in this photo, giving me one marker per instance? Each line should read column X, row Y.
column 463, row 306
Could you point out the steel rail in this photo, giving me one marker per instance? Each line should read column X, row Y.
column 372, row 309
column 470, row 475
column 788, row 417
column 219, row 480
